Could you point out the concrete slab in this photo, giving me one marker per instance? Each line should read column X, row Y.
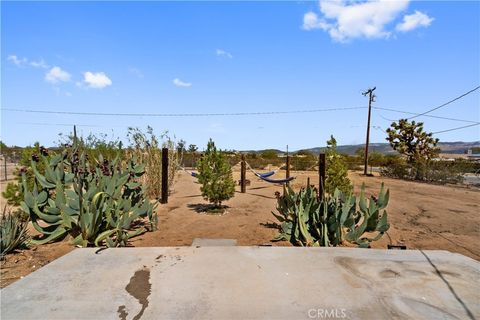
column 248, row 283
column 204, row 242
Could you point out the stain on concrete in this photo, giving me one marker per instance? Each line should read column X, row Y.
column 122, row 313
column 140, row 287
column 389, row 273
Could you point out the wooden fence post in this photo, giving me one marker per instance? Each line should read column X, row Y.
column 287, row 172
column 243, row 173
column 321, row 174
column 164, row 198
column 5, row 166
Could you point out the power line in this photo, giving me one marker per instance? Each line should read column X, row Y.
column 447, row 130
column 457, row 128
column 60, row 124
column 179, row 114
column 426, row 115
column 447, row 103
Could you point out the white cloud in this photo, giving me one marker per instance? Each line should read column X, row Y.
column 96, row 80
column 16, row 60
column 346, row 20
column 39, row 64
column 56, row 75
column 180, row 83
column 413, row 21
column 223, row 53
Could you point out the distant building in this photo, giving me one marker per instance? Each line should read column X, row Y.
column 451, row 156
column 473, row 156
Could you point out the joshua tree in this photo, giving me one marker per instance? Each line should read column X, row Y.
column 192, row 148
column 409, row 139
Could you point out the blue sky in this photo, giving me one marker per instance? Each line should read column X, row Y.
column 226, row 57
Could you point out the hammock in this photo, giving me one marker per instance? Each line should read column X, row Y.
column 277, row 180
column 261, row 175
column 264, row 175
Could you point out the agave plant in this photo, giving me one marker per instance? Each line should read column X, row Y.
column 93, row 201
column 13, row 232
column 330, row 220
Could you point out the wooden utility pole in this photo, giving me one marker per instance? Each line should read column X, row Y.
column 164, row 198
column 243, row 173
column 371, row 98
column 322, row 164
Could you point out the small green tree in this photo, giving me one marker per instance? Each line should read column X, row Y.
column 215, row 175
column 409, row 139
column 337, row 170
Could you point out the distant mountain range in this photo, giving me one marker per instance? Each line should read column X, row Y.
column 458, row 147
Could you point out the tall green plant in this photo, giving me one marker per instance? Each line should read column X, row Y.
column 215, row 175
column 147, row 147
column 337, row 170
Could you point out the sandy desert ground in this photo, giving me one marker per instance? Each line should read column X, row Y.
column 422, row 216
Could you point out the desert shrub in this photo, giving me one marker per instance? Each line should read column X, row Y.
column 443, row 172
column 336, row 171
column 215, row 175
column 13, row 232
column 304, row 163
column 353, row 162
column 269, row 154
column 190, row 159
column 439, row 171
column 174, row 159
column 92, row 201
column 308, row 219
column 259, row 163
column 14, row 192
column 95, row 145
column 233, row 159
column 395, row 167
